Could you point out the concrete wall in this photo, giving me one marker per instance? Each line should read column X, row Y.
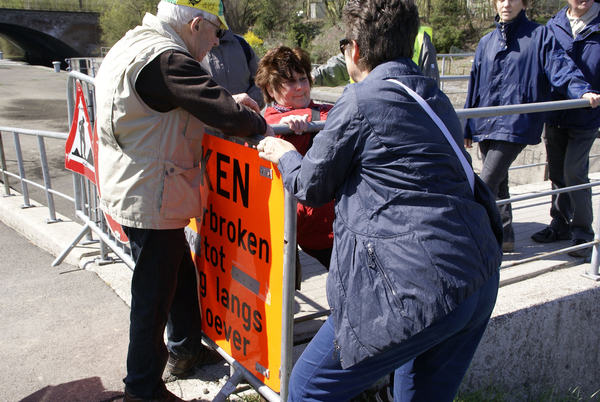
column 543, row 334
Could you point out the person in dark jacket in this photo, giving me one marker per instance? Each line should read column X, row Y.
column 519, row 62
column 414, row 270
column 570, row 134
column 233, row 65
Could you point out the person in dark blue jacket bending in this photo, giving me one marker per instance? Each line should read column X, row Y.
column 571, row 133
column 519, row 62
column 414, row 270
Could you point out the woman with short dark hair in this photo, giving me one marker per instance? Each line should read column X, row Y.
column 414, row 271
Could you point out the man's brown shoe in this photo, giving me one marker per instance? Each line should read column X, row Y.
column 182, row 367
column 163, row 396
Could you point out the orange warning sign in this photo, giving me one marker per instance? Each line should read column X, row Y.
column 238, row 250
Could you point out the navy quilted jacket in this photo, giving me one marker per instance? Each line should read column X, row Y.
column 518, row 63
column 585, row 52
column 410, row 241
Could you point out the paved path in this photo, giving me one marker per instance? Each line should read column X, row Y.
column 63, row 332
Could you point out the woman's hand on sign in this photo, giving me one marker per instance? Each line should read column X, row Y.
column 272, row 149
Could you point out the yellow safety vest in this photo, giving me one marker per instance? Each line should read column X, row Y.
column 419, row 42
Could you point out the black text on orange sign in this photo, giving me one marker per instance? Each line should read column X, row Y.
column 248, row 241
column 239, row 183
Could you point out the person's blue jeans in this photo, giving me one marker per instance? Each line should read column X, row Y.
column 163, row 293
column 568, row 165
column 497, row 158
column 429, row 366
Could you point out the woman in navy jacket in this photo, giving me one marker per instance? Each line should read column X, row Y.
column 519, row 62
column 571, row 133
column 414, row 271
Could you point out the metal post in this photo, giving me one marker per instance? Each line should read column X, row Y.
column 46, row 174
column 24, row 189
column 229, row 387
column 70, row 247
column 90, row 209
column 289, row 281
column 77, row 191
column 443, row 72
column 592, row 273
column 3, row 165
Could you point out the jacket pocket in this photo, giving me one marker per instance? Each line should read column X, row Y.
column 181, row 193
column 374, row 263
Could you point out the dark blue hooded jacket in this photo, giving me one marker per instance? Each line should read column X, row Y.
column 585, row 52
column 410, row 240
column 519, row 62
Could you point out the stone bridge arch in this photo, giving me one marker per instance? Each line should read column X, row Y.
column 47, row 36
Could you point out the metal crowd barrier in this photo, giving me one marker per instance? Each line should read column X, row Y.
column 87, row 201
column 84, row 65
column 21, row 176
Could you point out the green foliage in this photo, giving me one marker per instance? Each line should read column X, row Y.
column 301, row 33
column 334, row 9
column 123, row 15
column 268, row 18
column 445, row 36
column 448, row 24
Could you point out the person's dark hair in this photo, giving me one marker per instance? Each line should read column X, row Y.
column 384, row 29
column 276, row 67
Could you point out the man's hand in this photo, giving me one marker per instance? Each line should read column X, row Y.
column 594, row 98
column 272, row 149
column 468, row 143
column 244, row 99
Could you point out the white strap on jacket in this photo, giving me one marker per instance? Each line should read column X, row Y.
column 466, row 166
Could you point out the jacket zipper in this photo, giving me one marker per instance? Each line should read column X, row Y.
column 336, row 349
column 374, row 264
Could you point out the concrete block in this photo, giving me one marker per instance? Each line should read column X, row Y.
column 543, row 334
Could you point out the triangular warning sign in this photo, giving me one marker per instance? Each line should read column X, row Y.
column 79, row 155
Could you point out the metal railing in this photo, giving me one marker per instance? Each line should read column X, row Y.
column 448, row 62
column 21, row 176
column 84, row 194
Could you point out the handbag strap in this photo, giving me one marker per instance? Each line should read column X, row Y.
column 466, row 166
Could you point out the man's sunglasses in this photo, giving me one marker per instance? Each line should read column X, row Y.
column 220, row 32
